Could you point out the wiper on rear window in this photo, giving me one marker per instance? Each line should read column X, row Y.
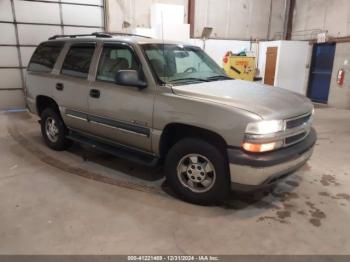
column 219, row 77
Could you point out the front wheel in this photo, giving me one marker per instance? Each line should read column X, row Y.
column 197, row 171
column 54, row 131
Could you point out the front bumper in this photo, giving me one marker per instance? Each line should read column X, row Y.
column 253, row 171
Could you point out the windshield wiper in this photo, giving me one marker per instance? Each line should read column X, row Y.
column 219, row 77
column 189, row 79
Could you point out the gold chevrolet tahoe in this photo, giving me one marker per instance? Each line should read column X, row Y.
column 165, row 103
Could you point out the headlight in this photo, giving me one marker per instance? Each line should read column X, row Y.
column 265, row 127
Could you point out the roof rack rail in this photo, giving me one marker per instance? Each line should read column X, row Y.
column 97, row 34
column 126, row 34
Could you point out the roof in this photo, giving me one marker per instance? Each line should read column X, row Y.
column 124, row 37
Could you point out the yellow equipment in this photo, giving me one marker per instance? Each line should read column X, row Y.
column 239, row 67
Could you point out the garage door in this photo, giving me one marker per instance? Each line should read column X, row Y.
column 25, row 23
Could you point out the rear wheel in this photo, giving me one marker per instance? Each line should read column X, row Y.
column 54, row 131
column 197, row 171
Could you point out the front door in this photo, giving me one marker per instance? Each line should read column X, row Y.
column 270, row 68
column 321, row 72
column 72, row 86
column 122, row 114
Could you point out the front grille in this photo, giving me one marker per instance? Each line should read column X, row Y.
column 297, row 128
column 293, row 123
column 295, row 139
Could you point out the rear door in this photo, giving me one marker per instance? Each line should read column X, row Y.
column 72, row 85
column 39, row 78
column 122, row 114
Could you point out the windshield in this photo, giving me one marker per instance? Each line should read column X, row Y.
column 179, row 64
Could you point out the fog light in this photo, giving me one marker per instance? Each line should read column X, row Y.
column 260, row 148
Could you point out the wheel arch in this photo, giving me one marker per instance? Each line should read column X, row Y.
column 174, row 132
column 43, row 102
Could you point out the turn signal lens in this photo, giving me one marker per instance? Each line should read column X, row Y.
column 260, row 148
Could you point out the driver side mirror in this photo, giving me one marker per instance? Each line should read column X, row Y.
column 130, row 78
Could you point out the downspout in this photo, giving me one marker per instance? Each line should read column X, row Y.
column 191, row 16
column 288, row 19
column 270, row 20
column 285, row 21
column 106, row 15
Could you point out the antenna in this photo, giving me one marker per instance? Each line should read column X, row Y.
column 162, row 15
column 165, row 59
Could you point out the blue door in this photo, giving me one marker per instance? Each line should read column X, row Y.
column 321, row 72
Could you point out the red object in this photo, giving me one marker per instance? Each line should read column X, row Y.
column 341, row 76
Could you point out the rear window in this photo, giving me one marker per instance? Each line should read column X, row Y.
column 78, row 60
column 44, row 57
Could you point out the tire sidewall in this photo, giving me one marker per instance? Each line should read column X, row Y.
column 61, row 143
column 188, row 146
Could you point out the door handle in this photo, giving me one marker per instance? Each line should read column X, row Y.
column 59, row 86
column 94, row 93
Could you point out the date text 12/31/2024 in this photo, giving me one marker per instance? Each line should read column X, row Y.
column 173, row 258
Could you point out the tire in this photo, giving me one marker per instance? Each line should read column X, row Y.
column 57, row 142
column 186, row 179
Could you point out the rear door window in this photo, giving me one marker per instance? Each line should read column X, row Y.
column 45, row 56
column 78, row 60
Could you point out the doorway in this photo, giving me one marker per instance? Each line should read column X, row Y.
column 270, row 68
column 321, row 72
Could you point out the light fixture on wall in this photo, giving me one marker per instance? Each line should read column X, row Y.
column 207, row 31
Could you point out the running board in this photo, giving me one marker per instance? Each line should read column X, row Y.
column 115, row 150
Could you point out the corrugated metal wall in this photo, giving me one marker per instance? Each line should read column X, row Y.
column 24, row 24
column 240, row 19
column 313, row 16
column 231, row 19
column 136, row 12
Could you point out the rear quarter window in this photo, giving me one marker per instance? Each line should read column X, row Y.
column 44, row 57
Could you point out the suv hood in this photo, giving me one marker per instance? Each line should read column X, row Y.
column 265, row 101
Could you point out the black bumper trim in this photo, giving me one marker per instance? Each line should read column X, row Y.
column 240, row 157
